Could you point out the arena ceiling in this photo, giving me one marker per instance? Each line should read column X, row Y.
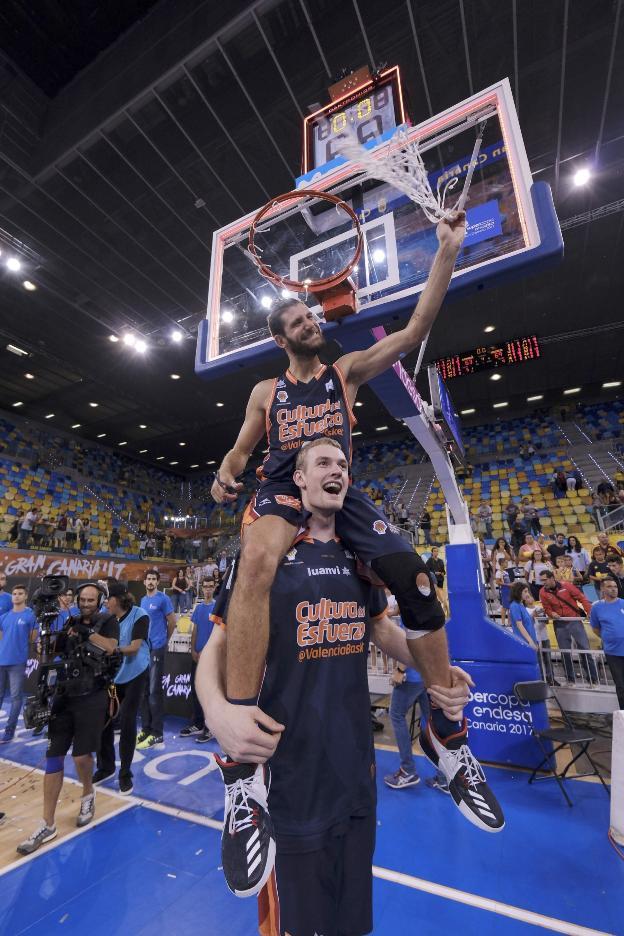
column 130, row 132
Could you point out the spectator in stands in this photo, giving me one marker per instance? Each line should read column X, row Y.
column 114, row 540
column 78, row 528
column 142, row 540
column 26, row 527
column 579, row 555
column 438, row 570
column 15, row 526
column 503, row 581
column 502, row 550
column 59, row 532
column 425, row 526
column 558, row 548
column 598, row 568
column 179, row 587
column 523, row 610
column 563, row 572
column 39, row 533
column 5, row 599
column 560, row 486
column 70, row 535
column 85, row 534
column 610, row 549
column 191, row 591
column 162, row 624
column 531, row 516
column 202, row 629
column 570, row 480
column 528, row 547
column 223, row 563
column 616, row 568
column 604, row 489
column 210, row 568
column 130, row 684
column 578, row 479
column 17, row 628
column 607, row 619
column 521, row 621
column 511, row 512
column 518, row 534
column 534, row 569
column 530, row 450
column 562, row 602
column 485, row 516
column 523, row 453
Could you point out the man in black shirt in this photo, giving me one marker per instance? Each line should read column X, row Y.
column 314, row 712
column 616, row 568
column 558, row 548
column 76, row 717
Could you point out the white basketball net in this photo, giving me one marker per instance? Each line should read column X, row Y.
column 404, row 169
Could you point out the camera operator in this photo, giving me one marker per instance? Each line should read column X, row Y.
column 129, row 681
column 79, row 710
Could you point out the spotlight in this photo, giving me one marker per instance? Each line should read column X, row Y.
column 142, row 426
column 266, row 302
column 160, row 458
column 19, row 403
column 181, row 443
column 496, row 377
column 582, row 177
column 76, row 426
column 113, row 338
column 194, row 466
column 489, row 328
column 29, row 286
column 174, row 376
column 129, row 340
column 379, row 255
column 177, row 336
column 535, row 398
column 219, row 404
column 499, row 405
column 102, row 435
column 13, row 264
column 467, row 412
column 141, row 346
column 211, row 462
column 122, row 443
column 572, row 390
column 29, row 376
column 611, row 383
column 359, row 404
column 50, row 416
column 380, row 428
column 227, row 316
column 94, row 405
column 142, row 452
column 15, row 350
column 173, row 463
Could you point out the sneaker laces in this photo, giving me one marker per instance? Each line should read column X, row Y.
column 37, row 831
column 86, row 804
column 239, row 800
column 464, row 759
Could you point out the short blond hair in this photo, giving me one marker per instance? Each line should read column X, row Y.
column 305, row 448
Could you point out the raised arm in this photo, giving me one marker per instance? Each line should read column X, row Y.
column 252, row 430
column 362, row 366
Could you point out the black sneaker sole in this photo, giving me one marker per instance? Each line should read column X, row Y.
column 268, row 870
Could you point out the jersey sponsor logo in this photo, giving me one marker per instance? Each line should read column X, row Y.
column 329, row 570
column 380, row 527
column 264, row 502
column 322, row 653
column 281, row 383
column 329, row 621
column 291, row 555
column 329, row 385
column 287, row 501
column 282, row 396
column 307, row 422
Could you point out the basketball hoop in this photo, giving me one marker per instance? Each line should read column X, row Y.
column 336, row 292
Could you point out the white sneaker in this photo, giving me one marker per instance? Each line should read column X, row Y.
column 87, row 810
column 42, row 834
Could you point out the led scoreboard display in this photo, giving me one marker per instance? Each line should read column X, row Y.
column 368, row 110
column 514, row 351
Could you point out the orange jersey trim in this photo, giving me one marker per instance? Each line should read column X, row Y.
column 269, row 909
column 343, row 383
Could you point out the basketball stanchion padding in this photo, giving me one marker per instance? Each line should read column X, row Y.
column 616, row 830
column 336, row 292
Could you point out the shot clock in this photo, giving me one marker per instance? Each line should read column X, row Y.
column 369, row 111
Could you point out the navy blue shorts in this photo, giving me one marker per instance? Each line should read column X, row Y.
column 362, row 527
column 328, row 891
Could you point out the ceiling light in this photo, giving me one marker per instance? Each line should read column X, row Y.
column 181, row 443
column 29, row 286
column 113, row 338
column 380, row 428
column 499, row 405
column 29, row 376
column 582, row 176
column 102, row 435
column 489, row 328
column 227, row 316
column 177, row 336
column 94, row 405
column 467, row 412
column 211, row 462
column 129, row 339
column 141, row 346
column 142, row 451
column 496, row 376
column 359, row 404
column 50, row 416
column 379, row 255
column 160, row 458
column 174, row 376
column 173, row 463
column 356, row 433
column 219, row 404
column 611, row 383
column 15, row 350
column 534, row 399
column 571, row 390
column 142, row 426
column 266, row 302
column 194, row 466
column 122, row 443
column 13, row 264
column 76, row 426
column 19, row 403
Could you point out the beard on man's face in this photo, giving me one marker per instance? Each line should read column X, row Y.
column 308, row 348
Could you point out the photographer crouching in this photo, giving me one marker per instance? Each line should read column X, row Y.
column 76, row 669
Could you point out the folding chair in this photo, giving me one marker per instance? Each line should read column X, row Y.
column 538, row 691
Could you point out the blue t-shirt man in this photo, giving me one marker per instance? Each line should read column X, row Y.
column 158, row 606
column 202, row 620
column 5, row 603
column 607, row 618
column 16, row 627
